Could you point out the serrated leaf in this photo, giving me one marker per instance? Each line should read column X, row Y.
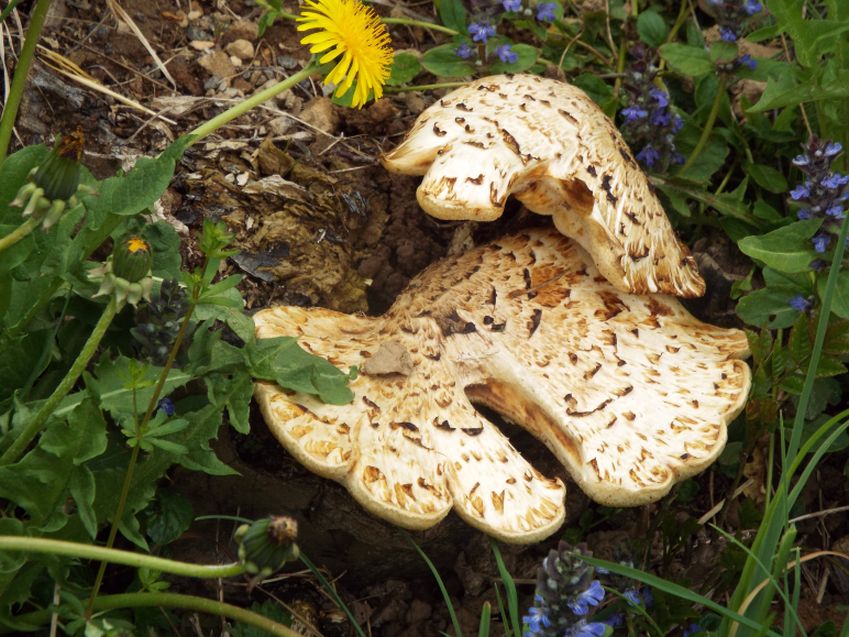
column 829, row 366
column 787, row 249
column 140, row 188
column 443, row 62
column 235, row 391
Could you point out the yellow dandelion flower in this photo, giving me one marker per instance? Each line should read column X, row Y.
column 349, row 29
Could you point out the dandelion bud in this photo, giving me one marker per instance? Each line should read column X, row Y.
column 267, row 544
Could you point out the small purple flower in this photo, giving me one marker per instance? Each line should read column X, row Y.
column 727, row 35
column 592, row 596
column 633, row 113
column 660, row 117
column 801, row 160
column 804, row 213
column 821, row 242
column 632, row 596
column 648, row 155
column 800, row 303
column 166, row 405
column 536, row 620
column 801, row 191
column 748, row 61
column 836, row 212
column 586, row 629
column 751, row 7
column 693, row 629
column 506, row 53
column 464, row 51
column 545, row 11
column 481, row 31
column 835, row 181
column 616, row 620
column 512, row 5
column 832, row 149
column 661, row 97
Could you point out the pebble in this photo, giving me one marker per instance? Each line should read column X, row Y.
column 241, row 49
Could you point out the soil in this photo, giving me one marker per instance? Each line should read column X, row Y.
column 317, row 222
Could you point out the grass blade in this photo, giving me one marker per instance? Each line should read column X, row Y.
column 509, row 589
column 456, row 622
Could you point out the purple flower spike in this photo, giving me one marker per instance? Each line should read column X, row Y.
column 545, row 11
column 586, row 629
column 592, row 596
column 727, row 35
column 512, row 5
column 648, row 155
column 801, row 191
column 835, row 181
column 661, row 97
column 633, row 113
column 751, row 7
column 481, row 31
column 506, row 54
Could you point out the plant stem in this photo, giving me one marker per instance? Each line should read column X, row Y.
column 16, row 89
column 708, row 129
column 13, row 453
column 254, row 100
column 410, row 22
column 18, row 233
column 424, row 87
column 173, row 600
column 116, row 556
column 134, row 455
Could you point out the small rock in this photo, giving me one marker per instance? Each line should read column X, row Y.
column 320, row 113
column 217, row 63
column 236, row 62
column 241, row 30
column 390, row 358
column 201, row 45
column 241, row 49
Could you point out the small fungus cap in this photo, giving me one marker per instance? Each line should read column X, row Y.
column 550, row 145
column 631, row 393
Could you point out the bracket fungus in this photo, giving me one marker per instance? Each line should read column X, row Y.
column 550, row 145
column 631, row 393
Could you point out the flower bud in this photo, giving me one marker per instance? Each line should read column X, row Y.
column 131, row 259
column 59, row 175
column 267, row 544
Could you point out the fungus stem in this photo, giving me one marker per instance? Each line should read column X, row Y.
column 18, row 233
column 134, row 455
column 254, row 100
column 708, row 129
column 31, row 429
column 173, row 600
column 16, row 89
column 116, row 556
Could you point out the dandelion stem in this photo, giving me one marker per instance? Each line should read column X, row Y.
column 708, row 129
column 254, row 100
column 16, row 90
column 410, row 22
column 115, row 556
column 173, row 600
column 18, row 233
column 14, row 452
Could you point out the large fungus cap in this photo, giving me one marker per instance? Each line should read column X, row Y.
column 631, row 393
column 551, row 146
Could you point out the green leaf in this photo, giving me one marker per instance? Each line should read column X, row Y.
column 81, row 485
column 651, row 28
column 784, row 90
column 405, row 67
column 282, row 361
column 443, row 61
column 13, row 174
column 690, row 61
column 234, row 391
column 768, row 307
column 526, row 58
column 721, row 51
column 140, row 188
column 787, row 249
column 82, row 438
column 165, row 246
column 452, row 14
column 169, row 516
column 767, row 178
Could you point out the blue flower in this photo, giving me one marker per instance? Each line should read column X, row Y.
column 832, row 148
column 633, row 113
column 693, row 629
column 804, row 213
column 648, row 155
column 616, row 620
column 836, row 212
column 748, row 61
column 167, row 406
column 751, row 7
column 512, row 5
column 632, row 596
column 835, row 181
column 802, row 191
column 727, row 35
column 660, row 117
column 506, row 53
column 801, row 160
column 800, row 303
column 536, row 620
column 545, row 11
column 661, row 97
column 586, row 629
column 481, row 31
column 592, row 596
column 821, row 242
column 464, row 51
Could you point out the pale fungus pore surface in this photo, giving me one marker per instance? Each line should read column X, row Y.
column 631, row 393
column 548, row 144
